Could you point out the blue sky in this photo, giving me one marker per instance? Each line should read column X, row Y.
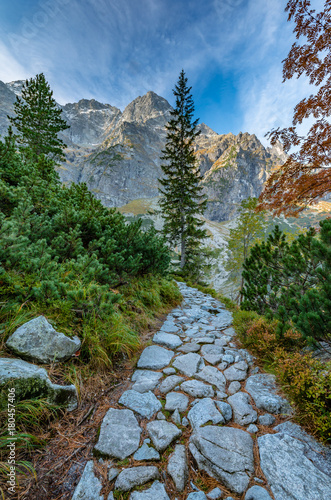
column 116, row 50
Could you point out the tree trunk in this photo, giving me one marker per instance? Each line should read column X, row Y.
column 182, row 248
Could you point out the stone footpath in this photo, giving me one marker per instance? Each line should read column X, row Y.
column 197, row 403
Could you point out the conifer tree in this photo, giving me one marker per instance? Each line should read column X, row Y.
column 181, row 194
column 38, row 120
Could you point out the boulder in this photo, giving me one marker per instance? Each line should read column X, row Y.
column 31, row 381
column 38, row 341
column 262, row 388
column 119, row 434
column 226, row 454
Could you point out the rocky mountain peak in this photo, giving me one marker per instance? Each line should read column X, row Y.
column 16, row 86
column 149, row 108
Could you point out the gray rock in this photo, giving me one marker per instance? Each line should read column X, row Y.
column 167, row 339
column 169, row 371
column 185, row 422
column 234, row 387
column 320, row 455
column 197, row 495
column 169, row 383
column 146, row 404
column 189, row 347
column 223, row 320
column 112, row 473
column 178, row 467
column 146, row 453
column 257, row 493
column 176, row 401
column 290, row 474
column 243, row 412
column 162, row 433
column 225, row 410
column 222, row 366
column 169, row 327
column 228, row 358
column 226, row 454
column 89, row 486
column 207, row 339
column 221, row 395
column 111, row 496
column 204, row 411
column 155, row 358
column 136, row 476
column 212, row 353
column 38, row 341
column 267, row 419
column 155, row 492
column 192, row 332
column 238, row 371
column 230, row 331
column 188, row 364
column 146, row 380
column 213, row 376
column 222, row 342
column 160, row 416
column 197, row 389
column 253, row 429
column 263, row 389
column 119, row 434
column 215, row 494
column 30, row 381
column 175, row 417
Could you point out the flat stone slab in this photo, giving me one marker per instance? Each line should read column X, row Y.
column 290, row 474
column 212, row 353
column 176, row 401
column 162, row 433
column 89, row 486
column 213, row 376
column 262, row 388
column 257, row 493
column 189, row 347
column 145, row 380
column 223, row 320
column 236, row 372
column 146, row 404
column 188, row 364
column 207, row 339
column 119, row 434
column 146, row 453
column 38, row 341
column 169, row 383
column 155, row 358
column 178, row 467
column 155, row 492
column 169, row 327
column 203, row 412
column 197, row 389
column 226, row 454
column 31, row 381
column 136, row 476
column 243, row 411
column 167, row 340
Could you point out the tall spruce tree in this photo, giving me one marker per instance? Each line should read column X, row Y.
column 181, row 193
column 38, row 120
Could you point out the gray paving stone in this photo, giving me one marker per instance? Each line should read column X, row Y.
column 145, row 380
column 234, row 387
column 119, row 434
column 189, row 347
column 197, row 389
column 169, row 371
column 197, row 495
column 175, row 417
column 212, row 353
column 215, row 494
column 136, row 476
column 155, row 492
column 169, row 327
column 167, row 340
column 204, row 411
column 267, row 419
column 155, row 358
column 89, row 486
column 243, row 412
column 188, row 364
column 252, row 429
column 257, row 493
column 146, row 404
column 238, row 371
column 213, row 376
column 178, row 467
column 226, row 454
column 146, row 452
column 170, row 383
column 225, row 410
column 162, row 433
column 176, row 401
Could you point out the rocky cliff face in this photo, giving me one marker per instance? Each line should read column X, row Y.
column 118, row 154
